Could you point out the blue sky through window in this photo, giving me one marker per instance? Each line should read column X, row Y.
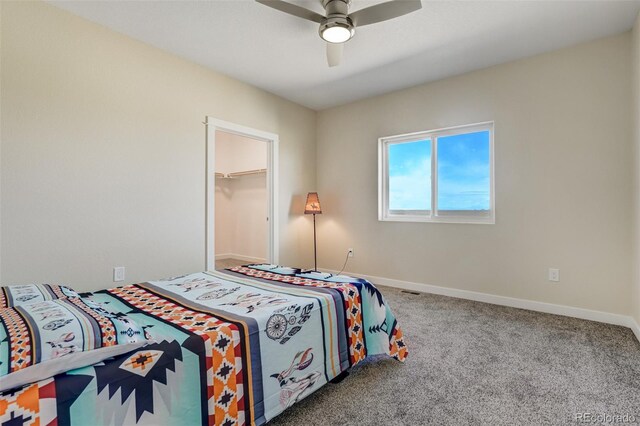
column 463, row 173
column 410, row 176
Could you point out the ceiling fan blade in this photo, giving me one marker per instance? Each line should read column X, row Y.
column 334, row 53
column 293, row 9
column 384, row 11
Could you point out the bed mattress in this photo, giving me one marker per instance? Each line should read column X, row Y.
column 230, row 347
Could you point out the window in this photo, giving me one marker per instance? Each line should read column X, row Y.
column 437, row 176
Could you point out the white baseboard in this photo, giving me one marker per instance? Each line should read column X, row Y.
column 242, row 257
column 549, row 308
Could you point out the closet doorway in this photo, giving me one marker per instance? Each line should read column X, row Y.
column 241, row 195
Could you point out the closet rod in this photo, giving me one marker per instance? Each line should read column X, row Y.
column 248, row 172
column 244, row 173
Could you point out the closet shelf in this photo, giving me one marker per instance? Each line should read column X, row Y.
column 239, row 174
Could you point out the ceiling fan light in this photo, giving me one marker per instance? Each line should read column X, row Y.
column 336, row 31
column 337, row 34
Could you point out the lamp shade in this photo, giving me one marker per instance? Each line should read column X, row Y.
column 313, row 204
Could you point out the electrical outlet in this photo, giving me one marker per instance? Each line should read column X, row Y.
column 350, row 252
column 118, row 274
column 554, row 274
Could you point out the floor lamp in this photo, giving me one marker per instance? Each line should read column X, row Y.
column 313, row 207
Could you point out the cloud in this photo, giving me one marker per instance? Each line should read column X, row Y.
column 412, row 190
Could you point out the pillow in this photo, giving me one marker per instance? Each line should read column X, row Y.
column 18, row 295
column 42, row 339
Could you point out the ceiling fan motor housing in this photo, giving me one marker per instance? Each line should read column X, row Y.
column 336, row 7
column 337, row 16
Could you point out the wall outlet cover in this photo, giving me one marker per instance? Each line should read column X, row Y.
column 118, row 274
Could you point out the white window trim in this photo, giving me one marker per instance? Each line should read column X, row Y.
column 433, row 215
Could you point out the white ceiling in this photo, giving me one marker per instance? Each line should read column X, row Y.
column 284, row 54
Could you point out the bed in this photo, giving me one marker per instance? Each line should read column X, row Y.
column 229, row 347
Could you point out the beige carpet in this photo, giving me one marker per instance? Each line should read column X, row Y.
column 473, row 363
column 229, row 263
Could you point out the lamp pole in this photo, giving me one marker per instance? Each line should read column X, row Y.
column 312, row 206
column 315, row 255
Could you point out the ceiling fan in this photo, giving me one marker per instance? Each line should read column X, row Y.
column 338, row 26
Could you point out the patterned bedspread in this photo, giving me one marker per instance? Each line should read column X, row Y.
column 230, row 347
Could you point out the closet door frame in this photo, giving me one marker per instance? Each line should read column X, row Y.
column 212, row 125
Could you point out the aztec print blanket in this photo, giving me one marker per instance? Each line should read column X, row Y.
column 230, row 347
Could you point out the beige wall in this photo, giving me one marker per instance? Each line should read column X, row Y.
column 103, row 153
column 241, row 203
column 241, row 211
column 563, row 181
column 224, row 221
column 0, row 143
column 636, row 190
column 235, row 153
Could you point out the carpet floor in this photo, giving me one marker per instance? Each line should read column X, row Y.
column 476, row 363
column 229, row 263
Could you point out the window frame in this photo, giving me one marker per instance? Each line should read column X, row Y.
column 433, row 215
